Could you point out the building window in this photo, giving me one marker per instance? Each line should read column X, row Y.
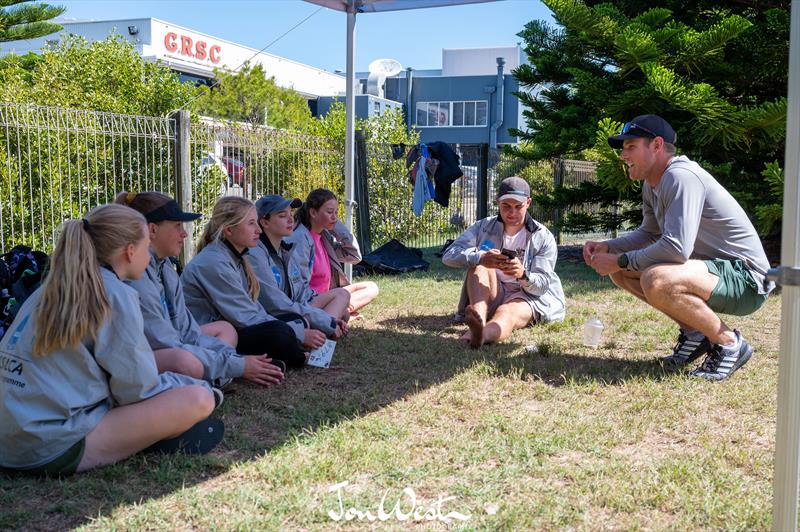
column 452, row 114
column 376, row 108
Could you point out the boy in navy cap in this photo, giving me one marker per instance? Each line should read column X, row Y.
column 696, row 253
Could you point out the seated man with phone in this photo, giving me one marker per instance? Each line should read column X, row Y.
column 510, row 260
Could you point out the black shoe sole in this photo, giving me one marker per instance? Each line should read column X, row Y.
column 200, row 439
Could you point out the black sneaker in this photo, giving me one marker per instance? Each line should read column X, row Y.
column 721, row 362
column 686, row 350
column 222, row 382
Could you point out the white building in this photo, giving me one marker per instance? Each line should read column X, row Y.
column 192, row 54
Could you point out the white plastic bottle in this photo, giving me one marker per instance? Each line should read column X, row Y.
column 592, row 332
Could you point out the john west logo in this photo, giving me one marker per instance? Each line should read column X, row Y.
column 185, row 45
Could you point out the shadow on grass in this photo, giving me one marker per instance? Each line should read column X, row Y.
column 557, row 369
column 549, row 363
column 373, row 367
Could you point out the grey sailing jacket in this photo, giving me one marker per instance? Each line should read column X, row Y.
column 215, row 288
column 49, row 403
column 342, row 249
column 542, row 287
column 168, row 323
column 283, row 289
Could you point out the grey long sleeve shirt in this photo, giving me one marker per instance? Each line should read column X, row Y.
column 283, row 289
column 689, row 215
column 341, row 245
column 215, row 288
column 49, row 403
column 168, row 323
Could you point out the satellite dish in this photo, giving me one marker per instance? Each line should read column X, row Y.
column 385, row 67
column 379, row 70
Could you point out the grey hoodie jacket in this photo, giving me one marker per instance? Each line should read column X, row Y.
column 283, row 289
column 342, row 249
column 542, row 287
column 168, row 323
column 215, row 288
column 49, row 403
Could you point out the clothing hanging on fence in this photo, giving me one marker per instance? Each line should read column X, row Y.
column 398, row 150
column 423, row 183
column 441, row 164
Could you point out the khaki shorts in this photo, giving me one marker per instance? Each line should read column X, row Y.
column 509, row 292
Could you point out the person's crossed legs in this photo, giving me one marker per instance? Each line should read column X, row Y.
column 483, row 289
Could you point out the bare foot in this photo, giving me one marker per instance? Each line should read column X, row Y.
column 475, row 324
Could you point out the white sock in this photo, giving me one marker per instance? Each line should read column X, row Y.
column 735, row 345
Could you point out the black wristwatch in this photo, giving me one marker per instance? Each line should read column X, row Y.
column 622, row 261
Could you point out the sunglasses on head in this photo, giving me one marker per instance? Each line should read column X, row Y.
column 630, row 125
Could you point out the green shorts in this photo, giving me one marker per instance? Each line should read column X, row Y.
column 64, row 465
column 736, row 291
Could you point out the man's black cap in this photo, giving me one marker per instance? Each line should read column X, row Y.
column 644, row 126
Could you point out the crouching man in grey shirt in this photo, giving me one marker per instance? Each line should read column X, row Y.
column 696, row 253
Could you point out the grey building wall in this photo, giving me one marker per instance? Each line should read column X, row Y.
column 366, row 105
column 460, row 88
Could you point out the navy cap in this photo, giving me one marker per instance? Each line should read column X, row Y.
column 170, row 212
column 274, row 203
column 644, row 126
column 513, row 188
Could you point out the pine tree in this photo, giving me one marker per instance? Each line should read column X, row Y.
column 27, row 20
column 716, row 71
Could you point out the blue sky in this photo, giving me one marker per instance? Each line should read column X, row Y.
column 415, row 38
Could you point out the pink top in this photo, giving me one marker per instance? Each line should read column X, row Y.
column 321, row 269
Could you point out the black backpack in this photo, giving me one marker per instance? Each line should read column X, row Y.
column 22, row 270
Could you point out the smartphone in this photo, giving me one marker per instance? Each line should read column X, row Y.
column 510, row 253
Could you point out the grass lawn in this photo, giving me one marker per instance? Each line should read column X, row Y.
column 567, row 437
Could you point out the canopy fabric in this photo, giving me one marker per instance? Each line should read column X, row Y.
column 377, row 6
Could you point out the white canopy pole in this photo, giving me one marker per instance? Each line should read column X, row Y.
column 349, row 140
column 787, row 437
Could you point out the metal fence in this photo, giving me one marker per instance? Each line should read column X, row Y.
column 56, row 164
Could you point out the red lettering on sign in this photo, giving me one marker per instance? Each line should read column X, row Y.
column 169, row 42
column 186, row 46
column 200, row 49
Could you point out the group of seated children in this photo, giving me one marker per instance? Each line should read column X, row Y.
column 115, row 353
